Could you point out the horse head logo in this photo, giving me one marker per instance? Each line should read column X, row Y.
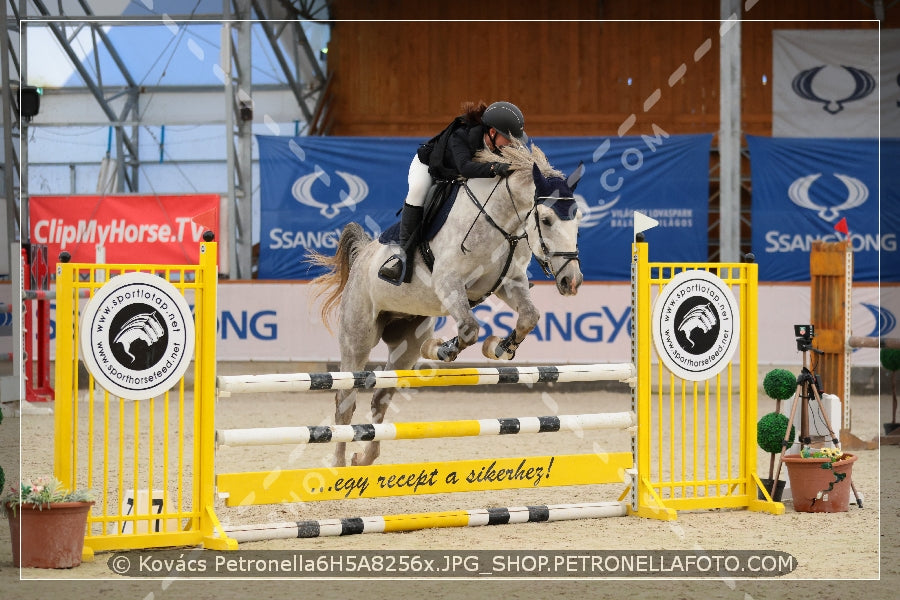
column 357, row 190
column 863, row 85
column 857, row 194
column 700, row 317
column 144, row 327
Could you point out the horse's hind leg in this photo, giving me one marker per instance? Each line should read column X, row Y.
column 344, row 405
column 404, row 338
column 355, row 348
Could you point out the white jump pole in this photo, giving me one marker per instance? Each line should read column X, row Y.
column 436, row 429
column 413, row 522
column 343, row 380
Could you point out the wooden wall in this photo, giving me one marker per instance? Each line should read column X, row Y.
column 576, row 69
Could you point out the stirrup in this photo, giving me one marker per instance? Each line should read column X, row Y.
column 392, row 270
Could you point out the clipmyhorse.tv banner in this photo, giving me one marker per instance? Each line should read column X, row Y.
column 311, row 187
column 131, row 228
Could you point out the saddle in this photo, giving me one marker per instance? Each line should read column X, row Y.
column 438, row 203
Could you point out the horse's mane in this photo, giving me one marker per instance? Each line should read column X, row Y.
column 520, row 159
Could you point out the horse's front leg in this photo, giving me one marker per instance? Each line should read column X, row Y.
column 516, row 294
column 455, row 301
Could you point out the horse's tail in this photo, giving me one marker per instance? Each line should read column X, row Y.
column 331, row 285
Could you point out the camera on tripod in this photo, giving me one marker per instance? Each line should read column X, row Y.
column 804, row 335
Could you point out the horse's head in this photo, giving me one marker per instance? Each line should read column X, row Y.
column 556, row 217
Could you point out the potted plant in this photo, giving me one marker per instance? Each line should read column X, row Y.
column 47, row 523
column 890, row 360
column 779, row 384
column 820, row 479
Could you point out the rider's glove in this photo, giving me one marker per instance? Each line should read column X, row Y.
column 500, row 169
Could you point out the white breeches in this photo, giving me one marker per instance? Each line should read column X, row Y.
column 419, row 182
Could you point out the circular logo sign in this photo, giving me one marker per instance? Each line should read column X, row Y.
column 695, row 325
column 137, row 336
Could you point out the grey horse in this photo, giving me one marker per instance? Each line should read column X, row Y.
column 492, row 230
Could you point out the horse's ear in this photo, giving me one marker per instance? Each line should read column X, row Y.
column 576, row 176
column 537, row 175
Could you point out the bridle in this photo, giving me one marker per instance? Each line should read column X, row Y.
column 545, row 263
column 513, row 240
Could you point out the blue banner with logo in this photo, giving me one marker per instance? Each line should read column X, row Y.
column 804, row 187
column 311, row 187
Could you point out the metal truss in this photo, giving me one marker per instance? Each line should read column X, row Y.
column 123, row 106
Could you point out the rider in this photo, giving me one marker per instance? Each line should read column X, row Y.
column 447, row 156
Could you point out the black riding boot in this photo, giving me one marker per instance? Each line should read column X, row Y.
column 398, row 268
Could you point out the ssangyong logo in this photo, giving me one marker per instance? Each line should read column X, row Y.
column 857, row 194
column 695, row 325
column 137, row 336
column 357, row 190
column 860, row 84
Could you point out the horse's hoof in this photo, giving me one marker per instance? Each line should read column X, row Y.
column 492, row 349
column 430, row 348
column 447, row 354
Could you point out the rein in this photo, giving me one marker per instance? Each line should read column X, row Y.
column 511, row 240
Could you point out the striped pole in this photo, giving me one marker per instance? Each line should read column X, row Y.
column 345, row 380
column 425, row 430
column 39, row 294
column 873, row 342
column 417, row 521
column 49, row 294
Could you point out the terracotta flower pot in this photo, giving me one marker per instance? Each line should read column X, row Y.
column 809, row 478
column 51, row 538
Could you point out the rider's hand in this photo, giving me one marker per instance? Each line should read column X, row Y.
column 500, row 169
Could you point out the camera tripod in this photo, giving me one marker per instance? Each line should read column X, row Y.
column 807, row 389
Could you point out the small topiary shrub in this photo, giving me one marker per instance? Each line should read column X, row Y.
column 780, row 384
column 770, row 432
column 890, row 359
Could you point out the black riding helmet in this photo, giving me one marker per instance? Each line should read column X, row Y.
column 506, row 118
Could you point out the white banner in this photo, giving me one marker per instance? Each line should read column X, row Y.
column 825, row 83
column 275, row 322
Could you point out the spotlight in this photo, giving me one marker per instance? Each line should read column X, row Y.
column 30, row 102
column 246, row 112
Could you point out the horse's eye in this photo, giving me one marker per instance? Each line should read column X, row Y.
column 546, row 221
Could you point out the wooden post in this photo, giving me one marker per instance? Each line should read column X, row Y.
column 831, row 276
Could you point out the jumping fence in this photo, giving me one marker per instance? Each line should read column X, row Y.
column 153, row 465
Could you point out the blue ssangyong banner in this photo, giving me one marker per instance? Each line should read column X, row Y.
column 804, row 187
column 311, row 187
